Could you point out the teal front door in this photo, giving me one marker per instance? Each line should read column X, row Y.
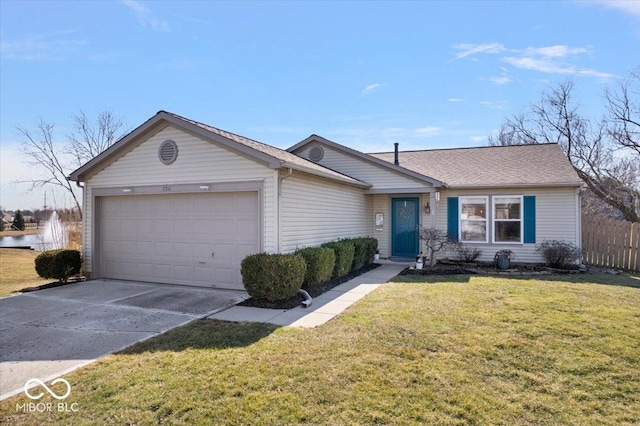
column 405, row 216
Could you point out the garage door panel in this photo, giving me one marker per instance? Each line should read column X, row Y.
column 203, row 204
column 225, row 276
column 244, row 250
column 201, row 250
column 163, row 249
column 183, row 250
column 247, row 229
column 247, row 205
column 183, row 227
column 203, row 274
column 170, row 237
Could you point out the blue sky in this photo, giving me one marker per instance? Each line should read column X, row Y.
column 365, row 74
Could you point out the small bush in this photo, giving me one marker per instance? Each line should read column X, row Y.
column 558, row 254
column 320, row 262
column 467, row 254
column 344, row 251
column 273, row 276
column 372, row 247
column 360, row 252
column 58, row 264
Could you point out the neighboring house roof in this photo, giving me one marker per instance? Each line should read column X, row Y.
column 272, row 156
column 367, row 158
column 492, row 166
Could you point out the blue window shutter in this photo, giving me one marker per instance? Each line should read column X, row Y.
column 529, row 219
column 452, row 218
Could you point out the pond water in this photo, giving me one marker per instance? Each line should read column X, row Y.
column 34, row 241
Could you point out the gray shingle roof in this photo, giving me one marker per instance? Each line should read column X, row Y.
column 495, row 166
column 289, row 159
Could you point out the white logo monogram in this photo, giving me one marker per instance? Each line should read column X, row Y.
column 52, row 393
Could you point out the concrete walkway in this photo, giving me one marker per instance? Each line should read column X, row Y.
column 324, row 307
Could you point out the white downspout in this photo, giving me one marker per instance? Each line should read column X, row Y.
column 280, row 179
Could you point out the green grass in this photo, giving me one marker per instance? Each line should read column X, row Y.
column 18, row 271
column 452, row 350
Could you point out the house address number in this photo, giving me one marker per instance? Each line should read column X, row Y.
column 166, row 189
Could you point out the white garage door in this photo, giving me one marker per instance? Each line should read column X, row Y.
column 190, row 239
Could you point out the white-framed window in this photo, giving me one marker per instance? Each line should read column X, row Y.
column 507, row 219
column 473, row 219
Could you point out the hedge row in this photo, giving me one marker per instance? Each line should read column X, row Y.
column 280, row 276
column 58, row 264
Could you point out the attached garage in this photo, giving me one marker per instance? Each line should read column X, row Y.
column 179, row 202
column 191, row 239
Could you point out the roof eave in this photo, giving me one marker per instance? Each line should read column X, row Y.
column 366, row 157
column 346, row 179
column 158, row 122
column 519, row 185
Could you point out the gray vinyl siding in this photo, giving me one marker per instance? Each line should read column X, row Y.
column 378, row 176
column 557, row 216
column 198, row 161
column 315, row 210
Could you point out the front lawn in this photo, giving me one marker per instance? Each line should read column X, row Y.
column 18, row 271
column 451, row 350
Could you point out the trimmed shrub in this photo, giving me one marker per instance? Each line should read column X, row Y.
column 360, row 246
column 372, row 247
column 344, row 251
column 273, row 276
column 558, row 254
column 467, row 254
column 58, row 264
column 320, row 262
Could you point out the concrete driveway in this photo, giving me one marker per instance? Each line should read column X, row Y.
column 47, row 333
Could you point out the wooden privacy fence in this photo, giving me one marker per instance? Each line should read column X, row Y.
column 611, row 243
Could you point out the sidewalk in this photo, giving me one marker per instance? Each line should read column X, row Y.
column 324, row 307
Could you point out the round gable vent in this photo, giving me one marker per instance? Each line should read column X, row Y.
column 316, row 153
column 168, row 152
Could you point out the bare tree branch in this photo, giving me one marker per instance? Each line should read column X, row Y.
column 58, row 159
column 88, row 140
column 605, row 154
column 40, row 147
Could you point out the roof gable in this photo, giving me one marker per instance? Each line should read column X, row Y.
column 492, row 166
column 360, row 156
column 270, row 156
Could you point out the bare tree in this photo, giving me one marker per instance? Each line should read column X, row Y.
column 88, row 140
column 436, row 240
column 603, row 153
column 58, row 158
column 623, row 107
column 40, row 147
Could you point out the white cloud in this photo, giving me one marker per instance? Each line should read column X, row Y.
column 473, row 49
column 631, row 7
column 455, row 100
column 52, row 46
column 557, row 51
column 370, row 88
column 538, row 64
column 428, row 131
column 553, row 59
column 594, row 73
column 477, row 139
column 145, row 17
column 502, row 80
